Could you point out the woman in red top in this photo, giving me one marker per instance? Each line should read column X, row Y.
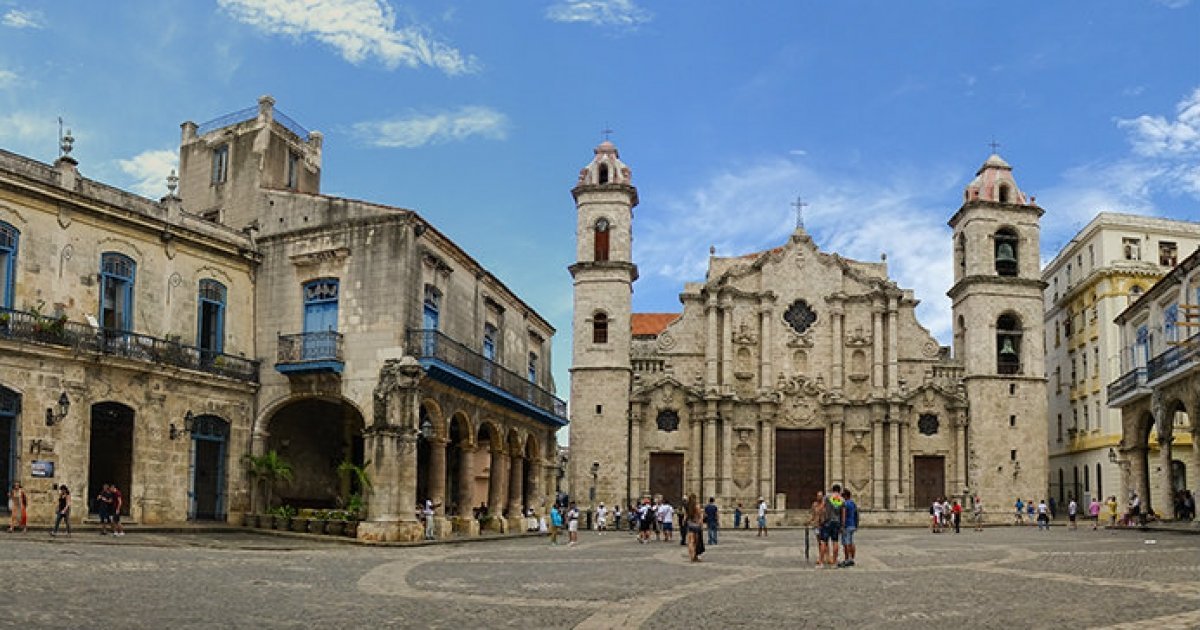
column 956, row 514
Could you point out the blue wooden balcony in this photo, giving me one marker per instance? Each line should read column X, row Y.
column 457, row 365
column 310, row 353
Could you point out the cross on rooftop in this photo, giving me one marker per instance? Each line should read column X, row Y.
column 607, row 132
column 799, row 204
column 995, row 145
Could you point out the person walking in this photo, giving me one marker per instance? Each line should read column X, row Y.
column 762, row 517
column 694, row 529
column 62, row 513
column 1112, row 506
column 666, row 517
column 849, row 526
column 427, row 512
column 1072, row 513
column 104, row 503
column 737, row 516
column 601, row 519
column 710, row 520
column 1020, row 505
column 977, row 514
column 1043, row 516
column 1094, row 513
column 956, row 516
column 18, row 509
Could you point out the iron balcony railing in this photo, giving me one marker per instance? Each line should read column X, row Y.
column 250, row 113
column 431, row 344
column 1174, row 358
column 310, row 346
column 1128, row 382
column 24, row 326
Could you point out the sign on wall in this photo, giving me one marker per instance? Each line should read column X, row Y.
column 41, row 468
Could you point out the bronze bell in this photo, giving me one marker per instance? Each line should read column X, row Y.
column 1007, row 348
column 1004, row 254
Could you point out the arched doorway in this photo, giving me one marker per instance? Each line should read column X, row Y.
column 10, row 408
column 110, row 452
column 314, row 436
column 206, row 494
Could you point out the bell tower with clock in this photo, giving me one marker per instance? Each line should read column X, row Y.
column 601, row 371
column 998, row 336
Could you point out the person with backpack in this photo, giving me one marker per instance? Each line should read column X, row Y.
column 831, row 527
column 556, row 522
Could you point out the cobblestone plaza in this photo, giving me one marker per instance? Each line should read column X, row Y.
column 1004, row 577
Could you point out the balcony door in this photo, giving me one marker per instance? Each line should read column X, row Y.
column 211, row 320
column 116, row 291
column 430, row 314
column 320, row 316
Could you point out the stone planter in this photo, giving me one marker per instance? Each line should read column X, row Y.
column 350, row 529
column 280, row 522
column 334, row 528
column 299, row 525
column 316, row 526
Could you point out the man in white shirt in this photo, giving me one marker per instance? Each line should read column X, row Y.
column 601, row 518
column 666, row 515
column 1072, row 511
column 762, row 517
column 428, row 513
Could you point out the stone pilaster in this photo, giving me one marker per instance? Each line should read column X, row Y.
column 516, row 477
column 726, row 345
column 391, row 444
column 877, row 345
column 710, row 346
column 635, row 458
column 837, row 321
column 497, row 488
column 766, row 375
column 893, row 463
column 893, row 355
column 466, row 480
column 877, row 459
column 709, row 464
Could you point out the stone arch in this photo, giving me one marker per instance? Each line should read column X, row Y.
column 1006, row 250
column 460, row 465
column 315, row 435
column 490, row 488
column 262, row 423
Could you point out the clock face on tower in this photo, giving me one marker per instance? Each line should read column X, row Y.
column 602, row 225
column 800, row 316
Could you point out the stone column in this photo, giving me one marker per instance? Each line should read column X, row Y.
column 1164, row 501
column 726, row 344
column 725, row 488
column 710, row 345
column 877, row 458
column 694, row 459
column 837, row 440
column 709, row 486
column 893, row 463
column 837, row 320
column 466, row 480
column 893, row 359
column 516, row 485
column 496, row 481
column 765, row 374
column 635, row 458
column 767, row 462
column 437, row 474
column 877, row 345
column 960, row 465
column 391, row 444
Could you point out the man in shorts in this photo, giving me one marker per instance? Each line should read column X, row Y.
column 1072, row 512
column 666, row 516
column 977, row 514
column 849, row 526
column 601, row 518
column 762, row 517
column 573, row 525
column 831, row 527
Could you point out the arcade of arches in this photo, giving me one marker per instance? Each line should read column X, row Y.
column 1159, row 454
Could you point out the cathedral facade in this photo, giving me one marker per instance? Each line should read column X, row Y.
column 791, row 369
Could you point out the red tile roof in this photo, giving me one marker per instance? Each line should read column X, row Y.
column 650, row 324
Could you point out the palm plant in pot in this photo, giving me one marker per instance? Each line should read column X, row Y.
column 268, row 470
column 358, row 480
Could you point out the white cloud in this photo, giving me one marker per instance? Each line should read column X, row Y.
column 357, row 29
column 1174, row 4
column 149, row 170
column 8, row 78
column 623, row 13
column 421, row 129
column 1155, row 136
column 859, row 219
column 24, row 126
column 17, row 18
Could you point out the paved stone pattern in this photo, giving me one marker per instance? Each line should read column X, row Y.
column 1002, row 578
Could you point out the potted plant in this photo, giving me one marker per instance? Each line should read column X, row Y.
column 299, row 522
column 268, row 469
column 357, row 478
column 282, row 517
column 335, row 523
column 354, row 511
column 317, row 521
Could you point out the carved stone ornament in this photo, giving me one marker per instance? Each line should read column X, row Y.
column 931, row 349
column 668, row 420
column 800, row 341
column 927, row 424
column 744, row 337
column 858, row 338
column 800, row 316
column 666, row 341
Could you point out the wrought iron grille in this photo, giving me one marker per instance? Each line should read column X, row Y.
column 1173, row 358
column 431, row 344
column 311, row 346
column 30, row 327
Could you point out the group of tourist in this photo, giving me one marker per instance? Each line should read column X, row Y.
column 944, row 514
column 109, row 504
column 1185, row 505
column 835, row 517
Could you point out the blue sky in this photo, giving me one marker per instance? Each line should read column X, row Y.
column 479, row 115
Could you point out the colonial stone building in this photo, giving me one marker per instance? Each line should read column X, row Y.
column 1158, row 394
column 1103, row 269
column 381, row 342
column 791, row 369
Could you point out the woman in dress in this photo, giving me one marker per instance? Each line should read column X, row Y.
column 694, row 528
column 63, row 513
column 18, row 504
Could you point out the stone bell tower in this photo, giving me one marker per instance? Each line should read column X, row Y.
column 603, row 276
column 998, row 337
